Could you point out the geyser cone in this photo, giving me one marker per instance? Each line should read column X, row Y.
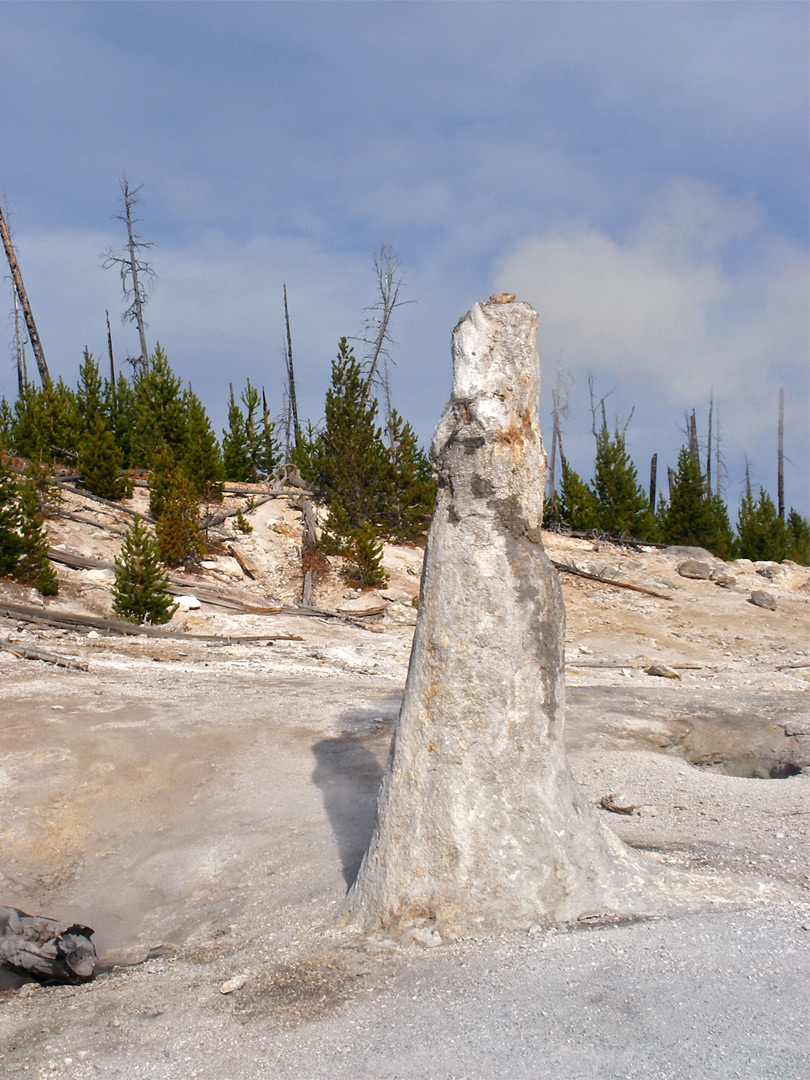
column 479, row 823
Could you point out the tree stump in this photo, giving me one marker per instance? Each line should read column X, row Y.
column 46, row 949
column 479, row 822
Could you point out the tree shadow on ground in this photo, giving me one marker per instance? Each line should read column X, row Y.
column 349, row 774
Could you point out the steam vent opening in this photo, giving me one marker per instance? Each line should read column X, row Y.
column 751, row 768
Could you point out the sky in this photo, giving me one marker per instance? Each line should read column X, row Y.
column 638, row 172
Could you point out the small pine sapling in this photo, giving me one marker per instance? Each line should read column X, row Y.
column 140, row 591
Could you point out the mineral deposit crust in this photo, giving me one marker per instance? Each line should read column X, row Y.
column 479, row 823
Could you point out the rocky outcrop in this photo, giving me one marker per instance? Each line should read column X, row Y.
column 479, row 823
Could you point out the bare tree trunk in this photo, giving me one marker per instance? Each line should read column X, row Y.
column 653, row 480
column 133, row 267
column 110, row 350
column 709, row 447
column 693, row 440
column 386, row 265
column 16, row 277
column 22, row 373
column 780, row 455
column 291, row 374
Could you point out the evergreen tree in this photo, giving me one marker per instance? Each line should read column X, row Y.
column 577, row 504
column 6, row 423
column 364, row 552
column 90, row 393
column 159, row 414
column 413, row 492
column 119, row 413
column 100, row 461
column 356, row 471
column 161, row 478
column 180, row 538
column 798, row 530
column 202, row 459
column 693, row 517
column 140, row 590
column 235, row 449
column 33, row 565
column 307, row 455
column 46, row 422
column 761, row 533
column 10, row 519
column 623, row 508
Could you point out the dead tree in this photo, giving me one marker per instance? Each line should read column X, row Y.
column 110, row 351
column 653, row 479
column 377, row 328
column 709, row 447
column 780, row 455
column 292, row 401
column 16, row 277
column 19, row 348
column 135, row 272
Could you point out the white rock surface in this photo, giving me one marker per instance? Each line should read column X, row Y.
column 479, row 822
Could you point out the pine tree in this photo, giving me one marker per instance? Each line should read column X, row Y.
column 622, row 505
column 202, row 459
column 798, row 530
column 180, row 538
column 761, row 533
column 119, row 412
column 100, row 461
column 693, row 517
column 355, row 468
column 90, row 393
column 161, row 477
column 140, row 592
column 577, row 504
column 364, row 552
column 413, row 492
column 159, row 413
column 10, row 521
column 33, row 565
column 6, row 422
column 235, row 449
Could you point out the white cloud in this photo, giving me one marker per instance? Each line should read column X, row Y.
column 672, row 307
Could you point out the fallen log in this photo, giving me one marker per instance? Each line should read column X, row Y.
column 25, row 652
column 571, row 568
column 46, row 949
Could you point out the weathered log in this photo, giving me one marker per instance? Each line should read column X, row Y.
column 25, row 652
column 570, row 568
column 48, row 950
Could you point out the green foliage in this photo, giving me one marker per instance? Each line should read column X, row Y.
column 33, row 566
column 119, row 410
column 623, row 508
column 159, row 414
column 235, row 452
column 23, row 538
column 412, row 495
column 307, row 454
column 241, row 523
column 761, row 534
column 46, row 421
column 693, row 517
column 577, row 505
column 798, row 530
column 180, row 538
column 140, row 590
column 6, row 423
column 249, row 446
column 90, row 393
column 101, row 461
column 354, row 466
column 364, row 552
column 10, row 519
column 161, row 477
column 202, row 457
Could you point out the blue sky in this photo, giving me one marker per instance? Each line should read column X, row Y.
column 638, row 172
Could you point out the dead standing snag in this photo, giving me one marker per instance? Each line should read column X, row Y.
column 479, row 823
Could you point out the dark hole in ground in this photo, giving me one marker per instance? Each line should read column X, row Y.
column 751, row 768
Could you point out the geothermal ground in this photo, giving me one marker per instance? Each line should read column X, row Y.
column 201, row 798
